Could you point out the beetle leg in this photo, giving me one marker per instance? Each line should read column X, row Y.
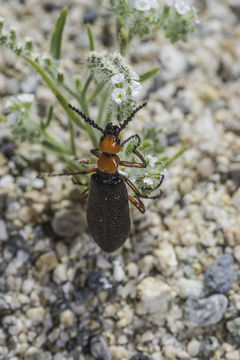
column 83, row 172
column 134, row 164
column 137, row 203
column 95, row 152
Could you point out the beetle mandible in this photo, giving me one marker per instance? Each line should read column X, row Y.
column 107, row 207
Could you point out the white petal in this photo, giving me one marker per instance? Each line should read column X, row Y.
column 117, row 79
column 142, row 5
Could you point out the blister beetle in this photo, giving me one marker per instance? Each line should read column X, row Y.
column 107, row 207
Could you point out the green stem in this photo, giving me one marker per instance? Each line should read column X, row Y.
column 95, row 92
column 102, row 108
column 86, row 85
column 63, row 101
column 72, row 138
column 56, row 144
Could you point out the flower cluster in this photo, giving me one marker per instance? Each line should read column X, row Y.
column 141, row 17
column 119, row 80
column 21, row 118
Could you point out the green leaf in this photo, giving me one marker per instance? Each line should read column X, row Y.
column 3, row 118
column 149, row 74
column 56, row 39
column 49, row 118
column 62, row 100
column 90, row 37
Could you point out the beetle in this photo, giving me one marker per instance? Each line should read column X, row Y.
column 107, row 206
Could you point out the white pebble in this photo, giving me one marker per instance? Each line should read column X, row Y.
column 67, row 318
column 165, row 258
column 60, row 273
column 193, row 347
column 118, row 272
column 190, row 288
column 36, row 314
column 132, row 270
column 236, row 253
column 3, row 231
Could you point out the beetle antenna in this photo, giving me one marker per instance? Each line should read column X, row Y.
column 85, row 118
column 130, row 117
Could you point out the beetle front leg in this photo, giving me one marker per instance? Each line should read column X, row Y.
column 143, row 163
column 95, row 152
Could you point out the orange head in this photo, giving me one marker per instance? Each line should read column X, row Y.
column 110, row 142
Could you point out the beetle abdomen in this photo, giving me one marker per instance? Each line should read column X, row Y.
column 108, row 211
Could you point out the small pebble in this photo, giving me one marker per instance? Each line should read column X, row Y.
column 67, row 223
column 67, row 318
column 60, row 273
column 118, row 272
column 3, row 231
column 99, row 349
column 193, row 347
column 36, row 315
column 205, row 311
column 165, row 258
column 205, row 168
column 118, row 352
column 154, row 297
column 233, row 327
column 189, row 288
column 236, row 253
column 220, row 274
column 89, row 16
column 47, row 262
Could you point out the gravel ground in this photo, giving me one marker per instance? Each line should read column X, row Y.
column 172, row 291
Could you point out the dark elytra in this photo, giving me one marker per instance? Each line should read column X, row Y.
column 108, row 211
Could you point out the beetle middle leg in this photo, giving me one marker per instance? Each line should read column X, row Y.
column 83, row 172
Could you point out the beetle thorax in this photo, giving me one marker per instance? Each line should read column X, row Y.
column 110, row 144
column 108, row 164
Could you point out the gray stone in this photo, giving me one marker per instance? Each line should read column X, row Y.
column 99, row 349
column 206, row 311
column 233, row 327
column 67, row 223
column 219, row 276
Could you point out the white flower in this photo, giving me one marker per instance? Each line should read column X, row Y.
column 148, row 181
column 12, row 119
column 133, row 75
column 152, row 160
column 182, row 7
column 154, row 4
column 117, row 79
column 142, row 5
column 136, row 88
column 118, row 95
column 26, row 98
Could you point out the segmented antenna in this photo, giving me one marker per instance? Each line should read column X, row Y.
column 130, row 117
column 86, row 119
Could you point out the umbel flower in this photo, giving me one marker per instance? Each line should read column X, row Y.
column 120, row 81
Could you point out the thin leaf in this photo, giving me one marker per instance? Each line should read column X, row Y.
column 56, row 39
column 62, row 100
column 49, row 118
column 90, row 37
column 3, row 118
column 176, row 156
column 149, row 74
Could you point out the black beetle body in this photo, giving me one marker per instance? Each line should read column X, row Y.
column 108, row 210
